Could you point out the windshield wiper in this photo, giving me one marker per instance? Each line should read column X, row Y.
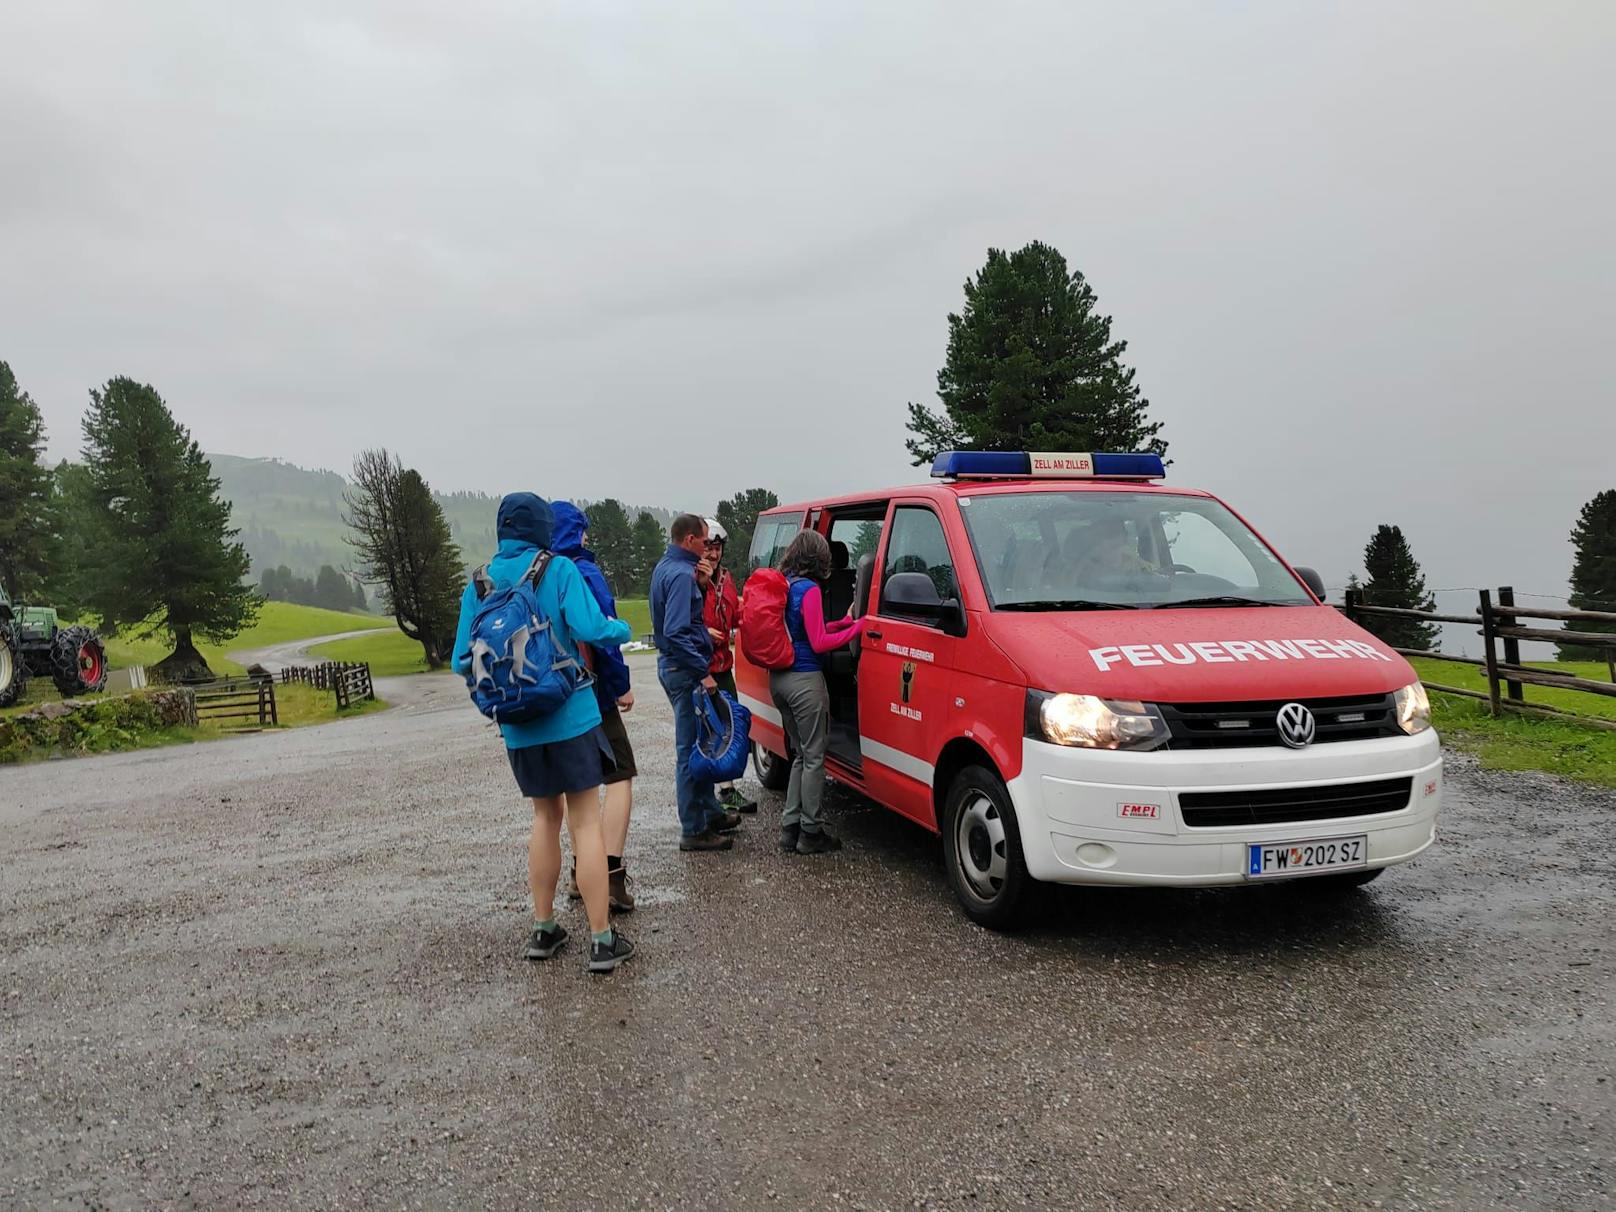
column 1221, row 600
column 1068, row 604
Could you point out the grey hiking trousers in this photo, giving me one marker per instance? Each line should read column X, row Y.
column 804, row 703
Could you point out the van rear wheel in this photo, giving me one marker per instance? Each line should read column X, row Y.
column 773, row 771
column 982, row 850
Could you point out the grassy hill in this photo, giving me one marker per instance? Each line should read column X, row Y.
column 293, row 516
column 277, row 623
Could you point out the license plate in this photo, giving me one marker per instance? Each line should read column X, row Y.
column 1268, row 860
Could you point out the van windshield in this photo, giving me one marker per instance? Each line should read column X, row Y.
column 1120, row 550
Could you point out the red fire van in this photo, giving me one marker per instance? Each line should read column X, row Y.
column 1077, row 674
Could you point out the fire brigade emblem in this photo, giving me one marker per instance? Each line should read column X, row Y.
column 908, row 679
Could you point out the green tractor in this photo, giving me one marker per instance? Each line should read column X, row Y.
column 33, row 642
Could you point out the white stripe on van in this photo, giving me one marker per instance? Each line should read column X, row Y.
column 897, row 759
column 764, row 711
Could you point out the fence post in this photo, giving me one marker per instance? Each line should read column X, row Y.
column 1489, row 638
column 1512, row 647
column 1351, row 599
column 274, row 715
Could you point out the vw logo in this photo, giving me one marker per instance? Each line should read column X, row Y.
column 1295, row 725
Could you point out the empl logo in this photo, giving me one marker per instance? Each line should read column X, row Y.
column 908, row 679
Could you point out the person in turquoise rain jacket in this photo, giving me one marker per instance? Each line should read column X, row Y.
column 560, row 759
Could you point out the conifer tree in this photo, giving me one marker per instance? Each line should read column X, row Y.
column 1593, row 571
column 26, row 514
column 1394, row 579
column 1031, row 366
column 401, row 542
column 167, row 558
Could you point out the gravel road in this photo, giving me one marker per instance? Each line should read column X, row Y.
column 281, row 971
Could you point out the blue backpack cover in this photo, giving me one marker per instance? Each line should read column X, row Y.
column 723, row 738
column 519, row 671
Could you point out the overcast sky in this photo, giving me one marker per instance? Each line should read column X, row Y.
column 1362, row 253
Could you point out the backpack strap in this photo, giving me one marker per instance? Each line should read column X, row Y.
column 536, row 570
column 483, row 582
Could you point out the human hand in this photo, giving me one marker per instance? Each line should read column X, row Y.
column 704, row 569
column 718, row 636
column 709, row 685
column 626, row 703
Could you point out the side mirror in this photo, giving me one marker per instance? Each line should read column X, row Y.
column 1312, row 580
column 915, row 594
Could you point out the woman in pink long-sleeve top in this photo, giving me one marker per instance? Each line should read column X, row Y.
column 801, row 694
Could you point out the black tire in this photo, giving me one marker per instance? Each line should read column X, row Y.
column 982, row 851
column 772, row 770
column 78, row 662
column 1334, row 885
column 13, row 669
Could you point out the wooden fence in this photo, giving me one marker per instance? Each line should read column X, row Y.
column 350, row 681
column 1501, row 628
column 243, row 702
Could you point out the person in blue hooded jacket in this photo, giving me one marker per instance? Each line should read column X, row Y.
column 558, row 759
column 615, row 695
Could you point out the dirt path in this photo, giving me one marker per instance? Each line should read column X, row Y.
column 281, row 972
column 277, row 656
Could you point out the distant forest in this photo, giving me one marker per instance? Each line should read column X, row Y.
column 291, row 517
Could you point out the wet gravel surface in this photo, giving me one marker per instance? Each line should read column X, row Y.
column 282, row 971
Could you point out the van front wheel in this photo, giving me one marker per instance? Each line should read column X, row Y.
column 773, row 771
column 982, row 850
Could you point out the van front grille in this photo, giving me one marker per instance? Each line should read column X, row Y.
column 1273, row 806
column 1249, row 724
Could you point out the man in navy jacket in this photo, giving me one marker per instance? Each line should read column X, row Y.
column 684, row 652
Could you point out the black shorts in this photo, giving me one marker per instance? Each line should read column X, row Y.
column 611, row 723
column 546, row 771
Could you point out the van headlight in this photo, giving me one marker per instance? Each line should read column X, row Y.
column 1088, row 722
column 1413, row 708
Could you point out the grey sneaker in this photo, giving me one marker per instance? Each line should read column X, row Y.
column 603, row 957
column 819, row 842
column 542, row 944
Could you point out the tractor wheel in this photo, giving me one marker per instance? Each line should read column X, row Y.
column 13, row 671
column 78, row 662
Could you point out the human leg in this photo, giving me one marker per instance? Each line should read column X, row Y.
column 697, row 807
column 810, row 703
column 544, row 856
column 589, row 853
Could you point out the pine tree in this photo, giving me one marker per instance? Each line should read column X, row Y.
column 402, row 543
column 331, row 589
column 359, row 602
column 78, row 538
column 1394, row 579
column 1593, row 572
column 26, row 492
column 648, row 544
column 1031, row 366
column 168, row 559
column 738, row 516
column 611, row 538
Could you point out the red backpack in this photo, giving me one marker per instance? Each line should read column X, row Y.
column 764, row 638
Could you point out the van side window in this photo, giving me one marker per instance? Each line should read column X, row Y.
column 771, row 538
column 916, row 543
column 855, row 538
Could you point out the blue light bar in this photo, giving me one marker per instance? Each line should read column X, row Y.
column 1045, row 465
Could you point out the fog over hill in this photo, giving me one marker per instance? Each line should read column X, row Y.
column 291, row 515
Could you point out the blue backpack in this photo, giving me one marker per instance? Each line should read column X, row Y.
column 519, row 671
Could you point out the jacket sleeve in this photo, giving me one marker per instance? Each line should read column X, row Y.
column 586, row 621
column 611, row 670
column 684, row 630
column 822, row 638
column 462, row 644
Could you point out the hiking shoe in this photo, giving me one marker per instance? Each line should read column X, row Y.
column 788, row 838
column 542, row 944
column 726, row 822
column 572, row 893
column 706, row 841
column 622, row 900
column 603, row 957
column 817, row 843
column 732, row 799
